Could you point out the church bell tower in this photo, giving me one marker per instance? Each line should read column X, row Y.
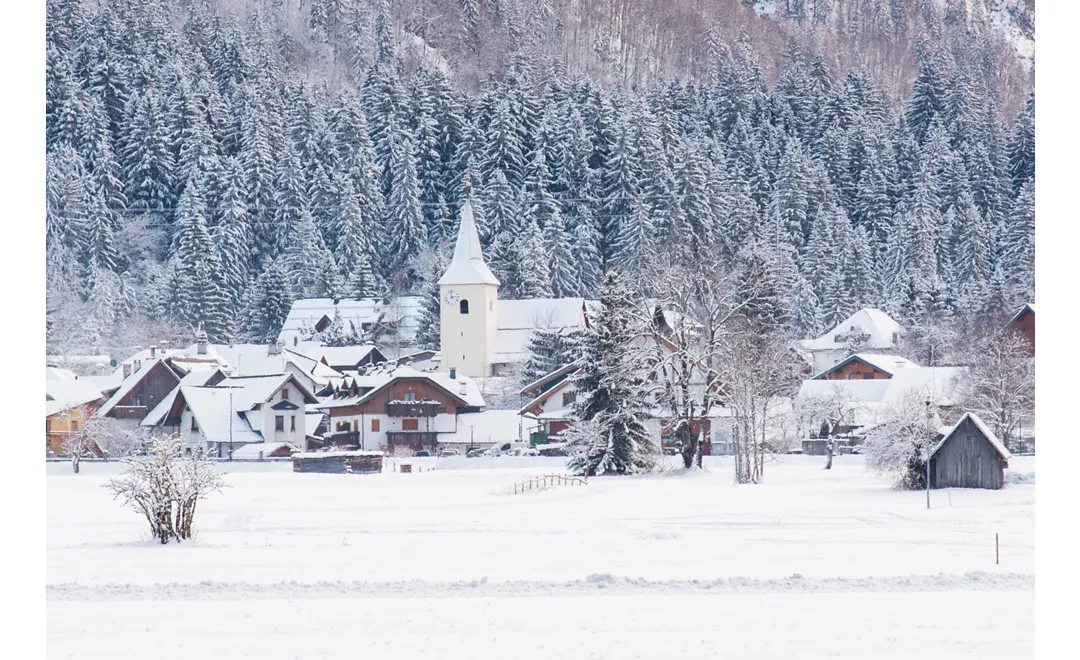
column 469, row 297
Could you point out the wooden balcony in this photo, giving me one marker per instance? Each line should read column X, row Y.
column 130, row 412
column 344, row 439
column 414, row 438
column 414, row 408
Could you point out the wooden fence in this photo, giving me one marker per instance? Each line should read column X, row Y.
column 548, row 481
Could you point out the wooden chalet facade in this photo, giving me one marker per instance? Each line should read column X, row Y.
column 969, row 456
column 404, row 413
column 865, row 366
column 141, row 391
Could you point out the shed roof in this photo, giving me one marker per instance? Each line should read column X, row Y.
column 990, row 437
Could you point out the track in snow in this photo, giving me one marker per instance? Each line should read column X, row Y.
column 597, row 584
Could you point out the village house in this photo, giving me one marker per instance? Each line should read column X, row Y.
column 144, row 386
column 867, row 330
column 398, row 409
column 862, row 401
column 391, row 323
column 237, row 411
column 866, row 366
column 69, row 402
column 1023, row 323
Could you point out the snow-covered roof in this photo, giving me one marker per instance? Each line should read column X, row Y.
column 936, row 382
column 859, row 391
column 340, row 355
column 130, row 382
column 54, row 373
column 253, row 449
column 211, row 408
column 541, row 313
column 250, row 390
column 890, row 364
column 879, row 326
column 67, row 394
column 1001, row 450
column 486, row 426
column 106, row 382
column 467, row 266
column 326, row 454
column 519, row 318
column 1027, row 307
column 312, row 419
column 380, row 378
column 404, row 311
column 561, row 371
column 157, row 413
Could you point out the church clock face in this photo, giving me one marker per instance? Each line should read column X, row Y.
column 452, row 296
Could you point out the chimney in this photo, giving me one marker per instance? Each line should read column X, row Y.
column 201, row 342
column 153, row 351
column 464, row 389
column 127, row 370
column 453, row 373
column 138, row 365
column 273, row 348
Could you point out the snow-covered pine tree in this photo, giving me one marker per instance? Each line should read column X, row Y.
column 404, row 222
column 307, row 262
column 198, row 297
column 609, row 401
column 267, row 305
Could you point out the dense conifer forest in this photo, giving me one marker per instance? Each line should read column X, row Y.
column 210, row 161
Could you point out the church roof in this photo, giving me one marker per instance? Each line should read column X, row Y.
column 467, row 266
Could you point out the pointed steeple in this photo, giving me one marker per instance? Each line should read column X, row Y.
column 467, row 266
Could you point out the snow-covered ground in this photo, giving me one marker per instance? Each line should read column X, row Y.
column 812, row 563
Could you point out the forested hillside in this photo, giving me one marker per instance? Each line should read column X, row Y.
column 209, row 161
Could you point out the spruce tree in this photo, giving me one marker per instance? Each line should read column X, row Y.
column 404, row 223
column 609, row 401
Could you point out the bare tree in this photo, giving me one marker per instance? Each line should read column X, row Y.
column 78, row 444
column 999, row 384
column 760, row 373
column 899, row 444
column 165, row 487
column 686, row 328
column 831, row 409
column 114, row 439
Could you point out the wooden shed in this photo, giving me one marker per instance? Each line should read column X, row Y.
column 969, row 456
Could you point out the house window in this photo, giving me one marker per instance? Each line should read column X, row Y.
column 568, row 398
column 409, row 396
column 292, row 422
column 410, row 425
column 48, row 425
column 279, row 422
column 136, row 400
column 464, row 306
column 194, row 423
column 374, row 425
column 868, row 376
column 355, row 426
column 342, row 426
column 74, row 426
column 284, row 393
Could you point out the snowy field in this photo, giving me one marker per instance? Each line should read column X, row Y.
column 812, row 563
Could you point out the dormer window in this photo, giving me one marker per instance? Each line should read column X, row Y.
column 464, row 306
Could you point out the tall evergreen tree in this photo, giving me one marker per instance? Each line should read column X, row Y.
column 608, row 400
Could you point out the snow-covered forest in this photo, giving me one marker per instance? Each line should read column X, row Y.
column 209, row 161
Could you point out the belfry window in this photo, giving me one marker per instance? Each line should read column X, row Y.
column 464, row 304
